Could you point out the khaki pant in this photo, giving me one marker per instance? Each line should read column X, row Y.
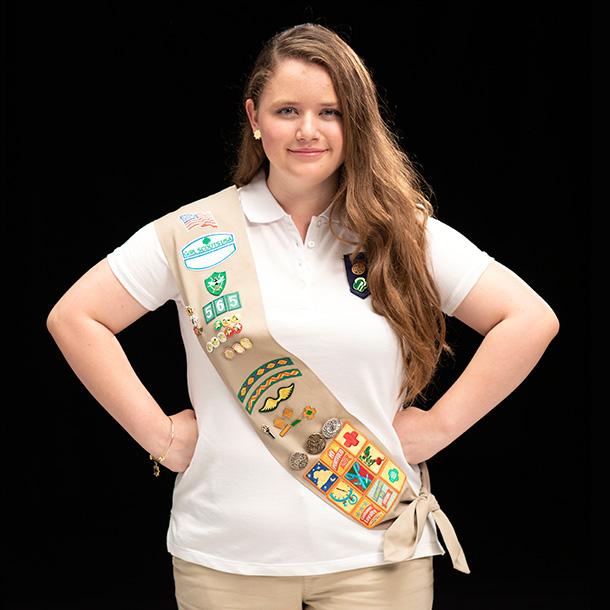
column 406, row 585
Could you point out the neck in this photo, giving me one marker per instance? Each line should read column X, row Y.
column 302, row 202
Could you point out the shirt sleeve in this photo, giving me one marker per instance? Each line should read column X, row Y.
column 141, row 267
column 455, row 262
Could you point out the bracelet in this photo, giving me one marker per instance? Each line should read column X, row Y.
column 158, row 460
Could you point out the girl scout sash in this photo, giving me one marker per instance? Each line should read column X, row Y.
column 298, row 419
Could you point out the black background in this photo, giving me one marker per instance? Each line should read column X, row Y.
column 116, row 112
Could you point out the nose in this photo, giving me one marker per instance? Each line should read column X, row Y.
column 307, row 128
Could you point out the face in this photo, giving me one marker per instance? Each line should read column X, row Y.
column 301, row 126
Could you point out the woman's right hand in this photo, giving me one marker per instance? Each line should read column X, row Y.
column 185, row 440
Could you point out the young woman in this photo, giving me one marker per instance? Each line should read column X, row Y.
column 320, row 176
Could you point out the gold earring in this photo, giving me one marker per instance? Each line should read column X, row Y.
column 257, row 134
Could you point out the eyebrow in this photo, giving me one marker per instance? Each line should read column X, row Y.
column 323, row 104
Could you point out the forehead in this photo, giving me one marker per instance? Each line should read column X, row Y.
column 294, row 78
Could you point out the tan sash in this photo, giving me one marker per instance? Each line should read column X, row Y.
column 310, row 433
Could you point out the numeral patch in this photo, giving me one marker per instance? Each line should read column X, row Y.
column 221, row 305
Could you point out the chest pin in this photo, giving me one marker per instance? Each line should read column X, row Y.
column 265, row 428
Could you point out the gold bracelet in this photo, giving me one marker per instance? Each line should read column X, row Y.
column 158, row 460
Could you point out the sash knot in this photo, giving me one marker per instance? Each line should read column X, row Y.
column 404, row 534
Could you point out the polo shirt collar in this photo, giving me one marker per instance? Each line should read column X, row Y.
column 258, row 203
column 260, row 206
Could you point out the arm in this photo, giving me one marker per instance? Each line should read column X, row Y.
column 84, row 323
column 517, row 326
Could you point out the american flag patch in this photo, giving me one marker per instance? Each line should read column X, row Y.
column 198, row 220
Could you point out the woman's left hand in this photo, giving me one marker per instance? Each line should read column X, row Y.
column 420, row 435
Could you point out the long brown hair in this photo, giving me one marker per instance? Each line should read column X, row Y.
column 380, row 197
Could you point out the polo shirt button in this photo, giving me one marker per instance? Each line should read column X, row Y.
column 311, row 243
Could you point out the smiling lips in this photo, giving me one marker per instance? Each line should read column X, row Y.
column 307, row 152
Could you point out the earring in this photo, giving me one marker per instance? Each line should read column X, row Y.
column 257, row 134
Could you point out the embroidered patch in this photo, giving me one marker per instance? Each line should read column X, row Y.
column 215, row 284
column 359, row 476
column 208, row 251
column 393, row 475
column 372, row 457
column 368, row 513
column 220, row 306
column 356, row 275
column 351, row 439
column 258, row 392
column 271, row 404
column 198, row 220
column 344, row 495
column 337, row 458
column 321, row 476
column 263, row 369
column 383, row 495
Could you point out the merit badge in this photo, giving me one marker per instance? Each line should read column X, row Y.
column 356, row 275
column 344, row 495
column 215, row 284
column 367, row 513
column 321, row 476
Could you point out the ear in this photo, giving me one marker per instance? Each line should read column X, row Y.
column 252, row 114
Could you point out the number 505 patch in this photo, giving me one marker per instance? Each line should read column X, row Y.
column 221, row 305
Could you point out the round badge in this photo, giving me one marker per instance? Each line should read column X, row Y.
column 222, row 337
column 246, row 343
column 228, row 353
column 358, row 268
column 238, row 349
column 209, row 347
column 315, row 443
column 332, row 427
column 217, row 325
column 298, row 461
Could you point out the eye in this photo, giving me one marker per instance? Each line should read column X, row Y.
column 331, row 113
column 286, row 111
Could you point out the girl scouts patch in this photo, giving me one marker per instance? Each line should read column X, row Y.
column 356, row 275
column 208, row 251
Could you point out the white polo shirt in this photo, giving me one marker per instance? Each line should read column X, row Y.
column 235, row 509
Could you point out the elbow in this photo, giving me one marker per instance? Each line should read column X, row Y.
column 549, row 322
column 543, row 324
column 57, row 320
column 53, row 322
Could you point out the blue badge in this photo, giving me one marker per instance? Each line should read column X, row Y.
column 208, row 251
column 356, row 275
